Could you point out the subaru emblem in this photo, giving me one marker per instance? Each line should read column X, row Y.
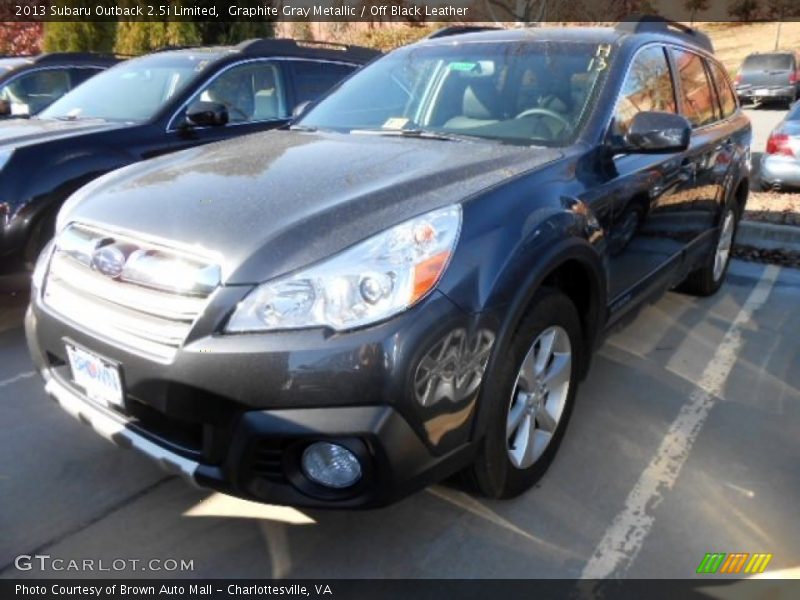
column 109, row 260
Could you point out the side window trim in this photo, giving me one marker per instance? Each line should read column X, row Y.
column 715, row 66
column 712, row 83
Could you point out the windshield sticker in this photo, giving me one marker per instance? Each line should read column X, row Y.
column 463, row 66
column 395, row 123
column 599, row 61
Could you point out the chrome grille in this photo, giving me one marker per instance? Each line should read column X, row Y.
column 133, row 294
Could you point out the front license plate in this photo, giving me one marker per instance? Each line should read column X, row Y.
column 762, row 92
column 97, row 376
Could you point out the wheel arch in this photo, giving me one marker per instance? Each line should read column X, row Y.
column 574, row 268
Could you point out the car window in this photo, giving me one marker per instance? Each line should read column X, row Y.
column 767, row 62
column 648, row 87
column 313, row 79
column 529, row 92
column 727, row 99
column 31, row 92
column 697, row 98
column 251, row 92
column 135, row 90
column 79, row 75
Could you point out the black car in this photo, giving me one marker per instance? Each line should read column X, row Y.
column 149, row 106
column 411, row 280
column 29, row 84
column 769, row 77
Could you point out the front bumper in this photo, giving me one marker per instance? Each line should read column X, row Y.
column 233, row 413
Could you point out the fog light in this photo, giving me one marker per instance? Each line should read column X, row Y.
column 331, row 465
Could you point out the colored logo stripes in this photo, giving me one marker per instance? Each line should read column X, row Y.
column 734, row 563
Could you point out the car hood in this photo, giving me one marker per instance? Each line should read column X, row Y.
column 17, row 133
column 267, row 204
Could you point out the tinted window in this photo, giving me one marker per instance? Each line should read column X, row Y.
column 767, row 62
column 313, row 79
column 726, row 98
column 250, row 92
column 648, row 87
column 697, row 98
column 31, row 92
column 79, row 75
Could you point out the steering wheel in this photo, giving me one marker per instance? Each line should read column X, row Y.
column 544, row 112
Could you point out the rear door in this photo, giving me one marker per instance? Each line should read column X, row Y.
column 692, row 217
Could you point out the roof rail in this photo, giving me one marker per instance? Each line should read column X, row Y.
column 310, row 48
column 459, row 29
column 658, row 24
column 71, row 56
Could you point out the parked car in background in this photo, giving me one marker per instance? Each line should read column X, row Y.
column 769, row 77
column 29, row 84
column 780, row 163
column 149, row 106
column 408, row 282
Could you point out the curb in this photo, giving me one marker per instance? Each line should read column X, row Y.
column 768, row 236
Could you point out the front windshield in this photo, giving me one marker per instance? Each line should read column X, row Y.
column 132, row 91
column 531, row 92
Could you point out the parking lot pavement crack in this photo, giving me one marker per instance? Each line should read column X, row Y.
column 625, row 536
column 16, row 378
column 9, row 567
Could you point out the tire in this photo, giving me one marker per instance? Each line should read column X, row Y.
column 706, row 280
column 505, row 467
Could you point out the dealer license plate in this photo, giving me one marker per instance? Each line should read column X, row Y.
column 98, row 377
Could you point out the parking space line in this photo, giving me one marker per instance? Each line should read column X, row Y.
column 16, row 378
column 623, row 539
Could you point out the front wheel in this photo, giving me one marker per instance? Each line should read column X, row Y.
column 706, row 280
column 536, row 387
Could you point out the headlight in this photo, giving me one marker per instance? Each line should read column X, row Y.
column 369, row 282
column 5, row 156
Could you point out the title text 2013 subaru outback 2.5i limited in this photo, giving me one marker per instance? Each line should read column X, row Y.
column 407, row 284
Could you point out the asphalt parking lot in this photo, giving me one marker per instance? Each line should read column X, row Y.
column 685, row 440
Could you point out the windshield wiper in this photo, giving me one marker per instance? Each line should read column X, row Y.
column 302, row 128
column 424, row 134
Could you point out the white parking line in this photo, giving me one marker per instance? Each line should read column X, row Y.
column 624, row 538
column 17, row 378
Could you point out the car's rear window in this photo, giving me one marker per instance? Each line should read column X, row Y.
column 767, row 62
column 794, row 113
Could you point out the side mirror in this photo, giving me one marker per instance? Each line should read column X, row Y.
column 656, row 133
column 301, row 108
column 207, row 114
column 5, row 108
